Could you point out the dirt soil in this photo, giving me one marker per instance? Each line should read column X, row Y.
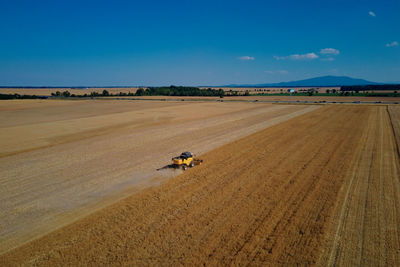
column 320, row 189
column 61, row 160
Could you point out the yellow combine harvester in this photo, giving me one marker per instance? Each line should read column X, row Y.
column 185, row 160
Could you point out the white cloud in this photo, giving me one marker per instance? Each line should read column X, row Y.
column 394, row 43
column 276, row 72
column 246, row 58
column 372, row 14
column 308, row 56
column 305, row 56
column 329, row 51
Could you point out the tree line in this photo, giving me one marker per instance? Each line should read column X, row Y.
column 375, row 87
column 155, row 91
column 179, row 91
column 18, row 96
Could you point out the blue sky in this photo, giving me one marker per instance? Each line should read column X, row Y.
column 64, row 43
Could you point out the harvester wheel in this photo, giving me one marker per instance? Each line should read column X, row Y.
column 184, row 167
column 191, row 164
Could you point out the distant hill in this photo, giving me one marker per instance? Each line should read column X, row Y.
column 317, row 81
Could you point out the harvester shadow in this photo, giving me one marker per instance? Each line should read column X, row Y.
column 167, row 167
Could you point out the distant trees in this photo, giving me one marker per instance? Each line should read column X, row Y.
column 378, row 87
column 161, row 91
column 94, row 94
column 140, row 92
column 371, row 90
column 154, row 91
column 179, row 91
column 311, row 92
column 63, row 94
column 66, row 94
column 18, row 96
column 232, row 93
column 57, row 93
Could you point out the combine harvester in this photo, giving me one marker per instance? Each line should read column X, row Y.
column 185, row 160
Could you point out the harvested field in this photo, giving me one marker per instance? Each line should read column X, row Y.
column 320, row 189
column 61, row 160
column 338, row 99
column 272, row 98
column 276, row 89
column 48, row 91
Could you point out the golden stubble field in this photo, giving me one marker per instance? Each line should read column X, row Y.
column 48, row 91
column 317, row 188
column 60, row 160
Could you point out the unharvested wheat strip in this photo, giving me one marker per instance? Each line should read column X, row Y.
column 392, row 204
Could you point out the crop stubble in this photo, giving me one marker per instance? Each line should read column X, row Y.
column 60, row 160
column 319, row 189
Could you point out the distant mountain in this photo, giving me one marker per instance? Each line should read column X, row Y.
column 317, row 81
